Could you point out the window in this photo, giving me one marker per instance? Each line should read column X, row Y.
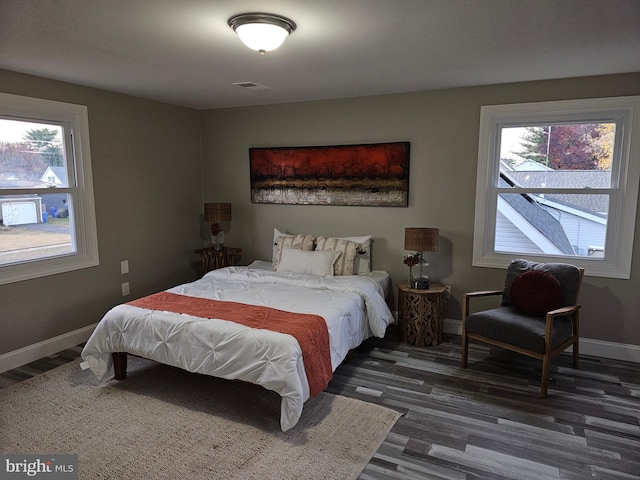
column 555, row 182
column 47, row 218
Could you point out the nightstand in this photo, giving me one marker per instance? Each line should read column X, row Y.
column 420, row 314
column 214, row 259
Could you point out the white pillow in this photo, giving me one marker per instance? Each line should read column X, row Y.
column 363, row 259
column 346, row 264
column 309, row 262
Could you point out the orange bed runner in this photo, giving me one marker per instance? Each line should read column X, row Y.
column 309, row 330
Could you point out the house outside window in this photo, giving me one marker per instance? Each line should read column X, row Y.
column 47, row 217
column 558, row 181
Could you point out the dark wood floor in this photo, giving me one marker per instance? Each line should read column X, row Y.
column 485, row 422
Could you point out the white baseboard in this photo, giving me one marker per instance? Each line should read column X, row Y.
column 616, row 351
column 588, row 346
column 30, row 353
column 454, row 327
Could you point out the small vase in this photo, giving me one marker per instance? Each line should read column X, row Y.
column 218, row 240
column 411, row 280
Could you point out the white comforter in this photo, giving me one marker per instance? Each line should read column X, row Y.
column 353, row 307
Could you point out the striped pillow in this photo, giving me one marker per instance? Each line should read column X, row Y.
column 346, row 263
column 301, row 242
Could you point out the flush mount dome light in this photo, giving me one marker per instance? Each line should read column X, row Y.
column 262, row 32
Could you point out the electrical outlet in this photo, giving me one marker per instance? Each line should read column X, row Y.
column 124, row 267
column 448, row 294
column 125, row 289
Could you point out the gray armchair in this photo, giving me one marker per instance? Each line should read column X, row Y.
column 539, row 315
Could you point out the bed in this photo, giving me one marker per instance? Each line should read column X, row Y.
column 351, row 308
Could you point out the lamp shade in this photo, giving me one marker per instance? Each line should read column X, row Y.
column 262, row 32
column 217, row 212
column 421, row 239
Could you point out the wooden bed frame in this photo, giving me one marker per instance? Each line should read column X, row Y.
column 120, row 363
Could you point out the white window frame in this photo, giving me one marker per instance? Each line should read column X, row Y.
column 625, row 176
column 75, row 122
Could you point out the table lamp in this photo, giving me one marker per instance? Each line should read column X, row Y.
column 217, row 213
column 419, row 240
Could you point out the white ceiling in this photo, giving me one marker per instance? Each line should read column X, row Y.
column 182, row 51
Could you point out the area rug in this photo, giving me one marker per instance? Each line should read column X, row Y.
column 163, row 422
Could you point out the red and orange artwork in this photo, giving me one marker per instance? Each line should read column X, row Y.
column 372, row 174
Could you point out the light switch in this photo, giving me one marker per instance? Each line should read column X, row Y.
column 124, row 266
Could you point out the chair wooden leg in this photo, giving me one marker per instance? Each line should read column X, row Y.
column 465, row 348
column 544, row 383
column 576, row 333
column 465, row 339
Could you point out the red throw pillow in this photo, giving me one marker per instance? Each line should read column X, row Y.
column 536, row 292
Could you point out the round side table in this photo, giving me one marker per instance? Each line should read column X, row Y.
column 420, row 314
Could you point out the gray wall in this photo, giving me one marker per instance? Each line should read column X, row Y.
column 150, row 182
column 147, row 175
column 442, row 127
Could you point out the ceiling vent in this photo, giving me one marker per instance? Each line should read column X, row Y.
column 251, row 86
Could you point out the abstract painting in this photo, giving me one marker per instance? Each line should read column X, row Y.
column 365, row 175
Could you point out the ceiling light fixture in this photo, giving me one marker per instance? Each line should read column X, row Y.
column 262, row 32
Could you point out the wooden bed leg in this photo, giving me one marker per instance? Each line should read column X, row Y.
column 119, row 365
column 348, row 357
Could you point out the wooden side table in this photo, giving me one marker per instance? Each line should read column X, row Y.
column 214, row 259
column 420, row 314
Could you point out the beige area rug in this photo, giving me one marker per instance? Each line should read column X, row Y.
column 163, row 422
